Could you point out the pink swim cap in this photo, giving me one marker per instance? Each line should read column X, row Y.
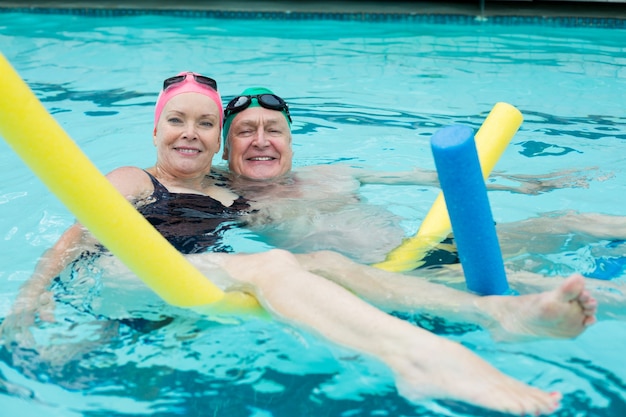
column 191, row 83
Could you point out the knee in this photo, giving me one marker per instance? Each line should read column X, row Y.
column 280, row 257
column 320, row 260
column 327, row 256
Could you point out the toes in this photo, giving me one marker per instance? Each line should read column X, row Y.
column 572, row 288
column 588, row 304
column 589, row 320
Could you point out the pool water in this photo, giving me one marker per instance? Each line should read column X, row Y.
column 369, row 94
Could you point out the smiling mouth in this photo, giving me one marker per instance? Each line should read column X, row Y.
column 261, row 158
column 188, row 150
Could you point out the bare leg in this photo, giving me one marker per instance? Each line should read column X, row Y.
column 609, row 295
column 562, row 312
column 597, row 225
column 425, row 365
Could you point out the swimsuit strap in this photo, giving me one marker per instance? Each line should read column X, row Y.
column 159, row 189
column 160, row 192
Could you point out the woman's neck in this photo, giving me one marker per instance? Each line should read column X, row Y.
column 176, row 183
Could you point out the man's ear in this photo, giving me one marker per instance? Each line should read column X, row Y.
column 225, row 152
column 154, row 136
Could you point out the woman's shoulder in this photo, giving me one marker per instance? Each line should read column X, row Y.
column 132, row 182
column 127, row 172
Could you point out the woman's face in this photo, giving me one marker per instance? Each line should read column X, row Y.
column 187, row 135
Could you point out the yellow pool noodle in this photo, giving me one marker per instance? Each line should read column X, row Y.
column 491, row 140
column 60, row 164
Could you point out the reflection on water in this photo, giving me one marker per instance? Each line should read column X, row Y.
column 367, row 95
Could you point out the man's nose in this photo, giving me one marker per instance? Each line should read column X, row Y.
column 259, row 138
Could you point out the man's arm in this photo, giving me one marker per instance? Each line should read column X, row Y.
column 417, row 176
column 514, row 183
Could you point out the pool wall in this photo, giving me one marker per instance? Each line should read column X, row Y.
column 563, row 13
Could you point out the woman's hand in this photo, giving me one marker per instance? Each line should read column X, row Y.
column 33, row 303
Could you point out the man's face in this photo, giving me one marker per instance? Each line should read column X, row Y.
column 259, row 144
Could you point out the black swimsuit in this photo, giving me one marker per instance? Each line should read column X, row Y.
column 192, row 223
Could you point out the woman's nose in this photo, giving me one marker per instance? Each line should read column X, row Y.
column 190, row 131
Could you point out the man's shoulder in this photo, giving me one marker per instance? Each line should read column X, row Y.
column 334, row 178
column 334, row 170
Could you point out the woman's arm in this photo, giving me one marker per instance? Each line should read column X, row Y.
column 33, row 298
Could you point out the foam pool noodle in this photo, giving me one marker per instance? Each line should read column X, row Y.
column 491, row 140
column 466, row 200
column 60, row 164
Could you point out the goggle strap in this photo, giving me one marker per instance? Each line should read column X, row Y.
column 281, row 105
column 200, row 79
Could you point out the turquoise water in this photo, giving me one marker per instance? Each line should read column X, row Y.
column 367, row 93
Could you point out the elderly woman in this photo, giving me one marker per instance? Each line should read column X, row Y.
column 183, row 198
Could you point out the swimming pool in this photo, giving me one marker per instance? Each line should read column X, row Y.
column 370, row 94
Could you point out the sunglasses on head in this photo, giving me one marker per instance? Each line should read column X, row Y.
column 200, row 79
column 269, row 101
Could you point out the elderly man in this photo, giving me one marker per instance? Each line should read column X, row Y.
column 319, row 207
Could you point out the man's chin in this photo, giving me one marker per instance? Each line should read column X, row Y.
column 262, row 175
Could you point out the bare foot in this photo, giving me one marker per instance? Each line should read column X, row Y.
column 452, row 372
column 610, row 294
column 563, row 312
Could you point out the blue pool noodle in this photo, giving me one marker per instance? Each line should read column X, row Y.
column 465, row 194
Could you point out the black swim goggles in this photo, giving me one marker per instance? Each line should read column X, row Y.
column 200, row 79
column 269, row 101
